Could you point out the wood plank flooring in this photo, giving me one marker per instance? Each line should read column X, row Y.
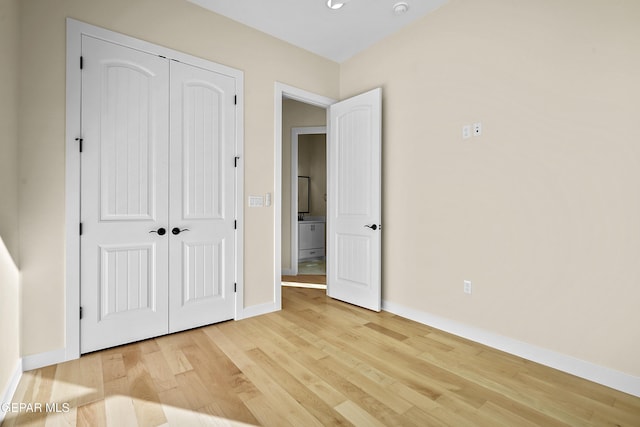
column 317, row 362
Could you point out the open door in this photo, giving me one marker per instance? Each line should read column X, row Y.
column 354, row 207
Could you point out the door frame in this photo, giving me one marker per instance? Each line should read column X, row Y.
column 284, row 91
column 75, row 31
column 295, row 133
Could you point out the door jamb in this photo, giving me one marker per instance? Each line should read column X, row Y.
column 289, row 92
column 75, row 30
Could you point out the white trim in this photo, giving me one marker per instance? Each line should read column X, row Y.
column 75, row 30
column 72, row 191
column 10, row 390
column 40, row 360
column 590, row 371
column 240, row 196
column 295, row 133
column 290, row 92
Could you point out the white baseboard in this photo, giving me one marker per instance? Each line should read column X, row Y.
column 10, row 390
column 40, row 360
column 599, row 374
column 257, row 310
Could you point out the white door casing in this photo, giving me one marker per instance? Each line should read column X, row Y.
column 201, row 199
column 354, row 208
column 124, row 195
column 158, row 209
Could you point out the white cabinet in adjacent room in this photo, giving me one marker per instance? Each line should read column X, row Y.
column 311, row 237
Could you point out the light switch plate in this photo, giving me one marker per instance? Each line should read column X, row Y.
column 256, row 201
column 466, row 131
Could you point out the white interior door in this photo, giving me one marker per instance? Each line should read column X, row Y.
column 354, row 208
column 124, row 195
column 202, row 208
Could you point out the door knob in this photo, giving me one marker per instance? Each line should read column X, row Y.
column 161, row 231
column 373, row 227
column 177, row 230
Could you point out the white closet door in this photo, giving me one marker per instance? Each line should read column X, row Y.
column 354, row 209
column 124, row 189
column 202, row 200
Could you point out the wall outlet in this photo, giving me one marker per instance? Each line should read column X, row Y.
column 467, row 287
column 477, row 129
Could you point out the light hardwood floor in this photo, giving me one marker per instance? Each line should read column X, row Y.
column 317, row 362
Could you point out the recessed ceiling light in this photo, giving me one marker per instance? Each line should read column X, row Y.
column 335, row 4
column 400, row 7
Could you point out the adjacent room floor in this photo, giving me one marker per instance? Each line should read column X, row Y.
column 316, row 362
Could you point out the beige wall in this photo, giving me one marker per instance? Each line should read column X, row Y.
column 294, row 114
column 175, row 24
column 9, row 276
column 542, row 212
column 312, row 162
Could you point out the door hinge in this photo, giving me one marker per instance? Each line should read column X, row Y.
column 235, row 224
column 81, row 63
column 235, row 287
column 80, row 140
column 80, row 229
column 80, row 312
column 235, row 161
column 235, row 99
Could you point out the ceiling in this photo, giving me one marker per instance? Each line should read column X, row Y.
column 310, row 24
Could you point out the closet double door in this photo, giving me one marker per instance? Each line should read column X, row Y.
column 157, row 195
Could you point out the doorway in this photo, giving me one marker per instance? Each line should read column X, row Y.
column 308, row 200
column 354, row 210
column 309, row 118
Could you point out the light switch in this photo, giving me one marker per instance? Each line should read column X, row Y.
column 256, row 201
column 466, row 131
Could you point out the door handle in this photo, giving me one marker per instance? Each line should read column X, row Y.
column 161, row 231
column 373, row 227
column 176, row 230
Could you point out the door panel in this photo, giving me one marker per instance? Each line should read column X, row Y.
column 126, row 158
column 354, row 206
column 203, row 145
column 127, row 279
column 354, row 170
column 202, row 198
column 124, row 195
